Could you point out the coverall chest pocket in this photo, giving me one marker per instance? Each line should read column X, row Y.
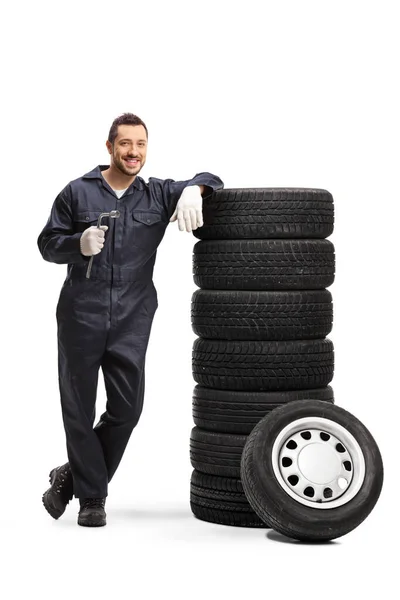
column 147, row 228
column 84, row 220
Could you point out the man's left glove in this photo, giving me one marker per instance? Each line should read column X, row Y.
column 189, row 210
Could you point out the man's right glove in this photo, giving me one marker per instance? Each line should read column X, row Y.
column 92, row 240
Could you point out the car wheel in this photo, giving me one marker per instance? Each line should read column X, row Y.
column 311, row 470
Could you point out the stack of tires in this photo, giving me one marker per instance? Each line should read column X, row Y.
column 262, row 315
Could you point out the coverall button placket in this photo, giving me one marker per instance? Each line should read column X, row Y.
column 113, row 287
column 115, row 280
column 116, row 242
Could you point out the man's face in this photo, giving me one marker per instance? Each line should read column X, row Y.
column 130, row 143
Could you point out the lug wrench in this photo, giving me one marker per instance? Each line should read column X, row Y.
column 114, row 214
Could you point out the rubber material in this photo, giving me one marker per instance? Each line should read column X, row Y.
column 216, row 453
column 221, row 500
column 228, row 411
column 263, row 264
column 267, row 213
column 262, row 315
column 262, row 365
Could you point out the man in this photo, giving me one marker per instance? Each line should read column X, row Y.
column 104, row 314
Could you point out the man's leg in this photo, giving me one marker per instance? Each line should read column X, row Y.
column 123, row 367
column 80, row 349
column 125, row 393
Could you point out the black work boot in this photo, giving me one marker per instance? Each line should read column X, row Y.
column 91, row 512
column 56, row 498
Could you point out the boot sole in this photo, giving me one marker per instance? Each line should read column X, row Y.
column 94, row 520
column 91, row 523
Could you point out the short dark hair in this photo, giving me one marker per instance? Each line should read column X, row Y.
column 124, row 119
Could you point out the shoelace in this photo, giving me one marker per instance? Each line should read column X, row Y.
column 63, row 481
column 93, row 503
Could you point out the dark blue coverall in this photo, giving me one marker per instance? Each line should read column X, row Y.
column 105, row 321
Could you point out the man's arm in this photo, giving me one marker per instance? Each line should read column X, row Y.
column 172, row 190
column 57, row 241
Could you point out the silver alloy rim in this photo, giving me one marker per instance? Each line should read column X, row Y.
column 318, row 462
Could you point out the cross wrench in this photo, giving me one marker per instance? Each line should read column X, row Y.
column 114, row 214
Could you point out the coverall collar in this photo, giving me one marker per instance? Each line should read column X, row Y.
column 96, row 174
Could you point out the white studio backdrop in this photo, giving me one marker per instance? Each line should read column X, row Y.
column 262, row 94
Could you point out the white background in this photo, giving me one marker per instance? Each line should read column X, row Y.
column 263, row 94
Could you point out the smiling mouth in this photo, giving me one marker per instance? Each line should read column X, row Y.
column 132, row 162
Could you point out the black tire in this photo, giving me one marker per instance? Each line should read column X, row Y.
column 262, row 315
column 267, row 213
column 221, row 500
column 221, row 513
column 215, row 483
column 263, row 264
column 216, row 453
column 262, row 365
column 288, row 514
column 230, row 411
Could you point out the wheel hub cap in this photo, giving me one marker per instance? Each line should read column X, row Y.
column 318, row 462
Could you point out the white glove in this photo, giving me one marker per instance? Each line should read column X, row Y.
column 92, row 240
column 189, row 209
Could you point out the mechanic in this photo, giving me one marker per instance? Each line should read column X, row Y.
column 104, row 315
